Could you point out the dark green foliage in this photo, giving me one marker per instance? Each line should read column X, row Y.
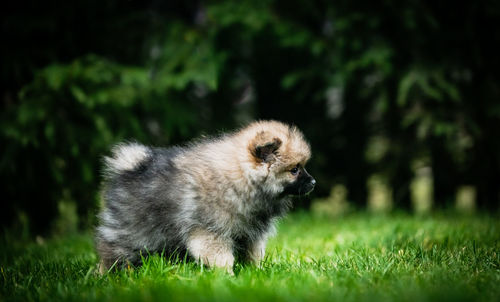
column 67, row 119
column 420, row 76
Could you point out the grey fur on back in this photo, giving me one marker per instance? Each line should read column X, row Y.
column 155, row 197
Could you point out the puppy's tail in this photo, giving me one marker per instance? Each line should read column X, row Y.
column 125, row 157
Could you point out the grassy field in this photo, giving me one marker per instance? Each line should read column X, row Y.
column 355, row 257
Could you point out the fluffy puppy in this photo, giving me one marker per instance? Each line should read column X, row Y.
column 216, row 199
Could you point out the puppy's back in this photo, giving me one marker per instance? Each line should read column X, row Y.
column 139, row 203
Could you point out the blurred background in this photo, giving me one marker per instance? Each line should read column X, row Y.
column 399, row 99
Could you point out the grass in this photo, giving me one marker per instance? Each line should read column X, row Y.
column 356, row 257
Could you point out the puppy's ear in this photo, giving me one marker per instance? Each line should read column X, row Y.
column 264, row 147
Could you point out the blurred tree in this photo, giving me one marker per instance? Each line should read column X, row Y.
column 58, row 126
column 375, row 87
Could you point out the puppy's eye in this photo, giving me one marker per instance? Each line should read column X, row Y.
column 294, row 171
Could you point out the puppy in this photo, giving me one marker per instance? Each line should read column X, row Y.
column 216, row 199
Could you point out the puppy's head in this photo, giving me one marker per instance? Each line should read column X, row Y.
column 283, row 152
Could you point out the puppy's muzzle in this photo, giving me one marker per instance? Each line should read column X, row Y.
column 303, row 185
column 309, row 185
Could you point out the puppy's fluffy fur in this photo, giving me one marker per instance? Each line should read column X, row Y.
column 216, row 199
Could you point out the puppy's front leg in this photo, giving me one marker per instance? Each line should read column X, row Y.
column 256, row 251
column 211, row 249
